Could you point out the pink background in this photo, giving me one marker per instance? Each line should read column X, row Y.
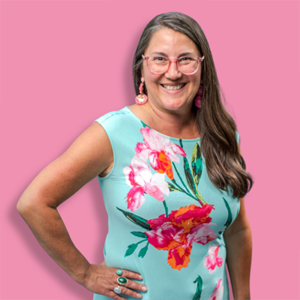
column 57, row 78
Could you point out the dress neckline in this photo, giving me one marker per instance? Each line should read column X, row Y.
column 159, row 133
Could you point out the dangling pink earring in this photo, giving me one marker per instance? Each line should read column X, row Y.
column 199, row 95
column 141, row 98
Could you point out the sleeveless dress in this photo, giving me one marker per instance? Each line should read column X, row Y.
column 165, row 217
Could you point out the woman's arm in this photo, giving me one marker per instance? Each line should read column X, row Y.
column 88, row 156
column 238, row 240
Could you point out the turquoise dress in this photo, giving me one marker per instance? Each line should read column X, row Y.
column 165, row 217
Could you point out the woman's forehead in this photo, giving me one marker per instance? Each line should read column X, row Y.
column 171, row 42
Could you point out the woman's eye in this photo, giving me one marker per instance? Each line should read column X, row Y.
column 185, row 58
column 159, row 58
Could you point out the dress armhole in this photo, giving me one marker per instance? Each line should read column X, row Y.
column 100, row 121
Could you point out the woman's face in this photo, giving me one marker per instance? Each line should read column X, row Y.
column 172, row 44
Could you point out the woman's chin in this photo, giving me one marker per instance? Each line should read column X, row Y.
column 174, row 104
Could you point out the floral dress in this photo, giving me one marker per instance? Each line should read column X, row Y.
column 165, row 217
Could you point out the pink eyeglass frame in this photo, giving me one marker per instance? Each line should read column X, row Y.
column 200, row 59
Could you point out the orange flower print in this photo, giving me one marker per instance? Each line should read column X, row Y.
column 159, row 150
column 177, row 232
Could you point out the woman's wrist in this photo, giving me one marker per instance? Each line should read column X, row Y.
column 80, row 277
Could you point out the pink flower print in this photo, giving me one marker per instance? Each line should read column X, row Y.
column 177, row 232
column 201, row 234
column 217, row 293
column 212, row 260
column 138, row 175
column 159, row 150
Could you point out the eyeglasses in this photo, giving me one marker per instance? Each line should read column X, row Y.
column 187, row 65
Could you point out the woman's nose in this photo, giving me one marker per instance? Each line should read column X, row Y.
column 173, row 72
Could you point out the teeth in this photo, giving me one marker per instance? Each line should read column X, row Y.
column 172, row 88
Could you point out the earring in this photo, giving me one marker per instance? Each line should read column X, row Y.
column 198, row 97
column 141, row 98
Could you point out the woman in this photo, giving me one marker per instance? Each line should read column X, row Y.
column 172, row 177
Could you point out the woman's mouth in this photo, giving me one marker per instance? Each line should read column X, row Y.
column 173, row 88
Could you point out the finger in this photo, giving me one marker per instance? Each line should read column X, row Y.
column 108, row 291
column 129, row 285
column 130, row 274
column 115, row 296
column 126, row 291
column 129, row 292
column 132, row 284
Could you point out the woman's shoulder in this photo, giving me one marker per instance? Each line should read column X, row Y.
column 120, row 124
column 114, row 116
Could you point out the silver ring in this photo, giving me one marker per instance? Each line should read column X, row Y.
column 122, row 280
column 117, row 290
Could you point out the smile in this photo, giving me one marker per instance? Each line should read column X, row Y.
column 173, row 87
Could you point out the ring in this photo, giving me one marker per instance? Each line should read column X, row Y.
column 119, row 272
column 122, row 280
column 117, row 290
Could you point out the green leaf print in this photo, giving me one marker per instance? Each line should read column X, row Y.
column 196, row 164
column 173, row 188
column 143, row 251
column 166, row 207
column 229, row 219
column 144, row 125
column 178, row 188
column 139, row 234
column 190, row 180
column 187, row 190
column 135, row 219
column 198, row 293
column 189, row 177
column 131, row 249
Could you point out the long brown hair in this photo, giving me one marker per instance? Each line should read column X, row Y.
column 225, row 165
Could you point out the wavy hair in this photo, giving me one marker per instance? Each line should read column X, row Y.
column 225, row 165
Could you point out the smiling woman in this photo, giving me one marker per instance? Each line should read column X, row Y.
column 171, row 71
column 172, row 176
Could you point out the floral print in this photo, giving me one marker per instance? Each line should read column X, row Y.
column 159, row 150
column 139, row 176
column 211, row 261
column 166, row 217
column 217, row 293
column 177, row 232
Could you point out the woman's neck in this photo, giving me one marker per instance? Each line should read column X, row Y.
column 171, row 123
